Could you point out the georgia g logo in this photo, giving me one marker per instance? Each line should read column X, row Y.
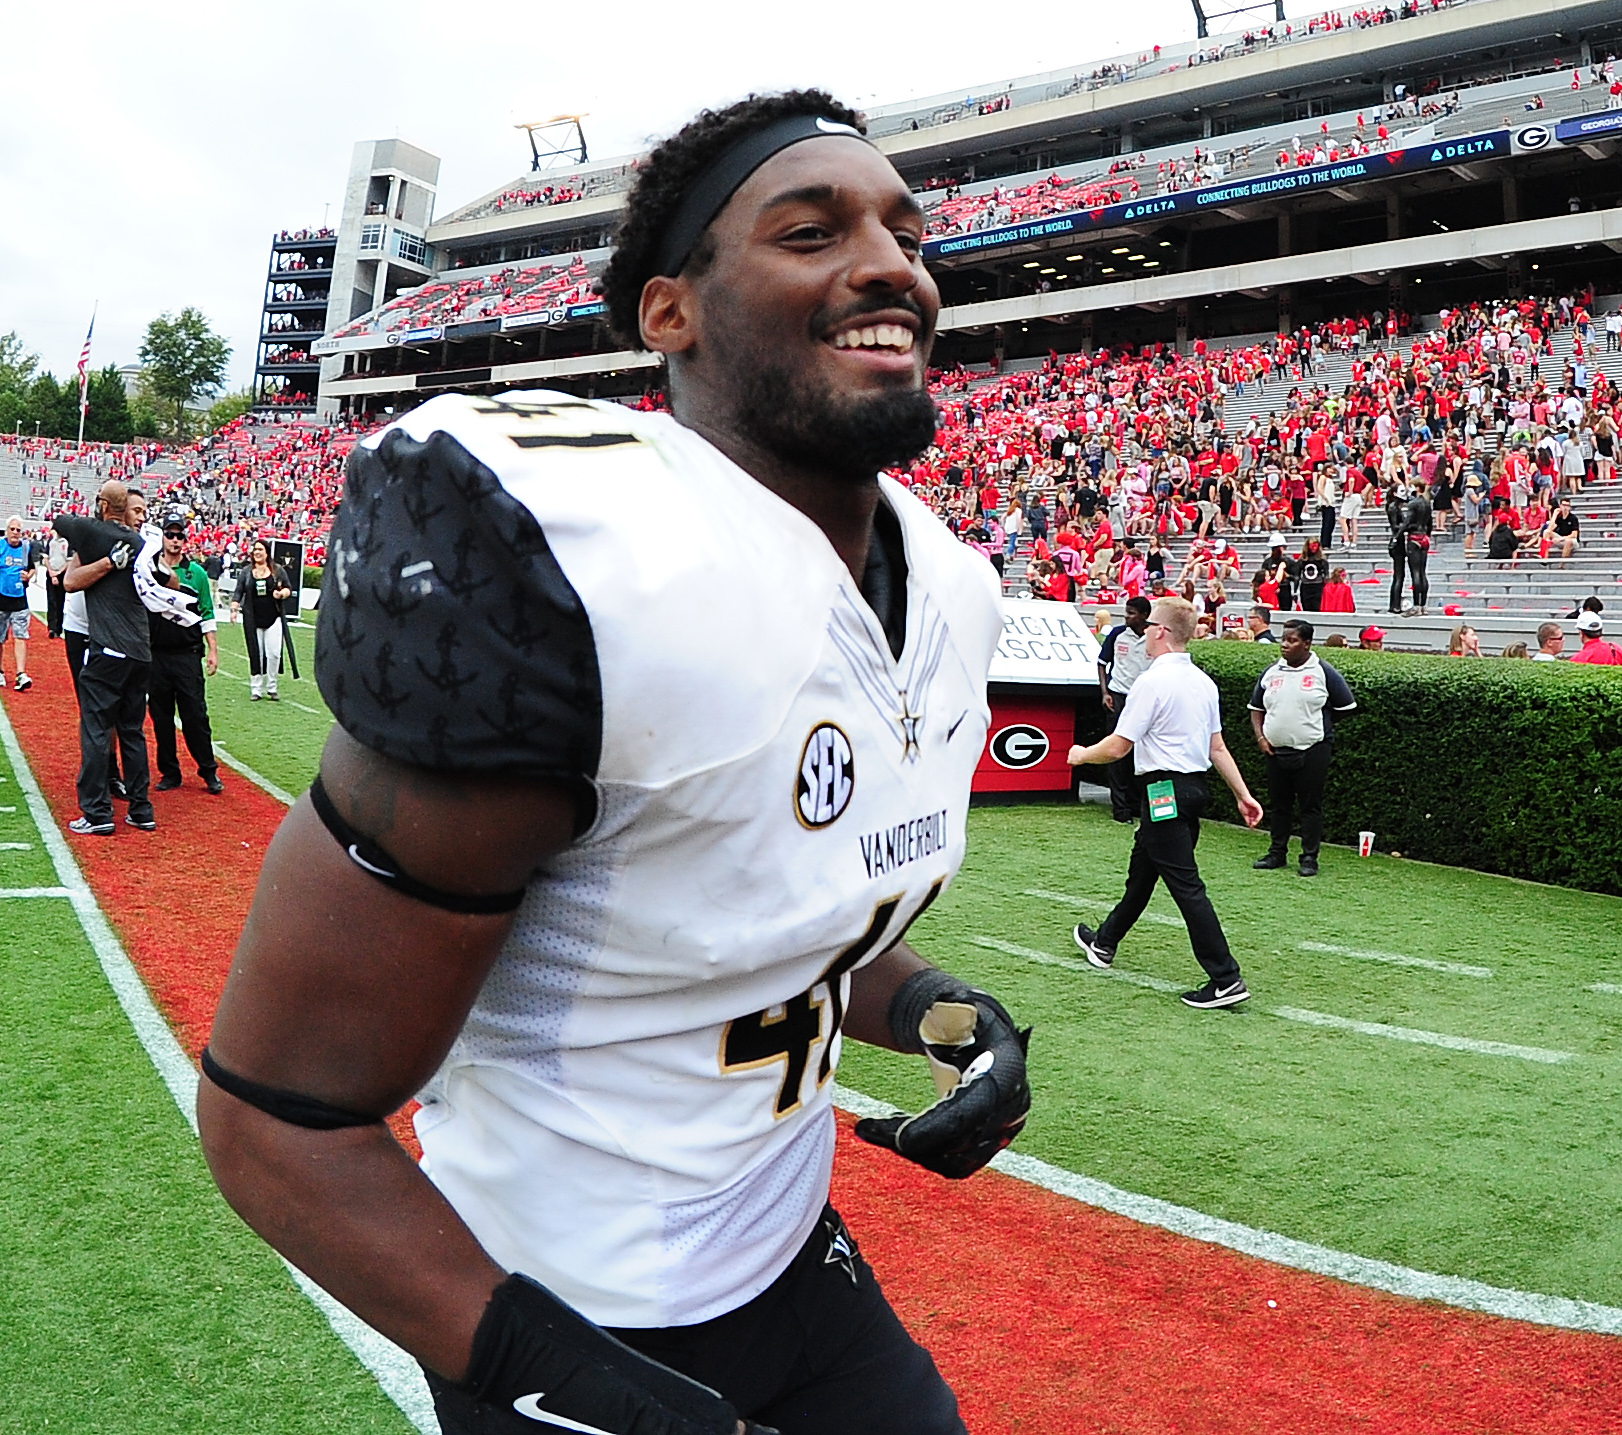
column 1019, row 745
column 827, row 776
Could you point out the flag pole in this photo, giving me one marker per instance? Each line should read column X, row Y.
column 84, row 371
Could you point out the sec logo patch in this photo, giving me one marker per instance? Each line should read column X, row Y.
column 827, row 776
column 1020, row 745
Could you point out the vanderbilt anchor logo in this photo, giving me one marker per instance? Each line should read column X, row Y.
column 1020, row 745
column 827, row 777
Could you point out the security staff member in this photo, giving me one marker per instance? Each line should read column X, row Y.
column 1172, row 726
column 1292, row 711
column 176, row 679
column 1121, row 660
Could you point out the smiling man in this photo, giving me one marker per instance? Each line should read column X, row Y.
column 616, row 839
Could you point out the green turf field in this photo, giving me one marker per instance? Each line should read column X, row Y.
column 1496, row 1167
column 280, row 740
column 136, row 1303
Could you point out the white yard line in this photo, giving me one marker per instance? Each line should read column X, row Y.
column 1079, row 964
column 1395, row 959
column 396, row 1372
column 1094, row 904
column 1296, row 1014
column 1424, row 1038
column 14, row 894
column 16, row 846
column 281, row 794
column 1285, row 1250
column 1610, row 988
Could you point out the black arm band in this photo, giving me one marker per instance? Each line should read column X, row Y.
column 373, row 860
column 286, row 1106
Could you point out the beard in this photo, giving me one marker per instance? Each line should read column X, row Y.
column 812, row 428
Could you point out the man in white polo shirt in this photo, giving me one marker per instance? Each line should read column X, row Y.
column 1292, row 711
column 1172, row 727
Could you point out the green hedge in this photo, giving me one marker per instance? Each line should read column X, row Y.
column 1498, row 764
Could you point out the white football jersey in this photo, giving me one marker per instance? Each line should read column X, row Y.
column 638, row 1110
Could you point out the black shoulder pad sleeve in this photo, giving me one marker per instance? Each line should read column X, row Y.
column 448, row 635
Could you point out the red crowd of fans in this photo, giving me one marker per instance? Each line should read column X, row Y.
column 1103, row 461
column 516, row 289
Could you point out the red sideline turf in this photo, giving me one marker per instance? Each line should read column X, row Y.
column 1046, row 1315
column 177, row 897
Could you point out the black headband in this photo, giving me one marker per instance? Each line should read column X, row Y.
column 707, row 196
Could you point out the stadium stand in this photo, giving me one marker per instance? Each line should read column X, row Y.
column 500, row 293
column 1118, row 444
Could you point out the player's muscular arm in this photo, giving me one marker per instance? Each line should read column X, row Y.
column 872, row 988
column 348, row 992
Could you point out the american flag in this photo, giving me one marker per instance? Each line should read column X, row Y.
column 84, row 365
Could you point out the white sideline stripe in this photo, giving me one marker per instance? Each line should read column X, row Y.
column 18, row 893
column 1396, row 959
column 1291, row 1013
column 1285, row 1250
column 1093, row 904
column 396, row 1372
column 1610, row 987
column 1077, row 964
column 1425, row 1038
column 258, row 779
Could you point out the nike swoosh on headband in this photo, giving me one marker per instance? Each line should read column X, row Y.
column 529, row 1406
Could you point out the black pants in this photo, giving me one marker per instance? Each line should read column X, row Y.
column 1292, row 778
column 1312, row 597
column 1397, row 576
column 1164, row 851
column 812, row 1354
column 1297, row 507
column 112, row 698
column 75, row 643
column 55, row 596
column 1418, row 559
column 1326, row 528
column 1123, row 794
column 177, row 682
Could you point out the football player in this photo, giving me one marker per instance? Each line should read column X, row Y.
column 619, row 833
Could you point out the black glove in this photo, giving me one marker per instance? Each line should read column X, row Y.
column 978, row 1058
column 121, row 554
column 543, row 1366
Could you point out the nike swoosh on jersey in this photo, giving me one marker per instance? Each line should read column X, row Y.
column 529, row 1406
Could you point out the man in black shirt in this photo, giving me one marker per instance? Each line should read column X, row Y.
column 112, row 683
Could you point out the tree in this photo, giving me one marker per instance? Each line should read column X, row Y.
column 183, row 360
column 108, row 418
column 17, row 365
column 53, row 406
column 226, row 408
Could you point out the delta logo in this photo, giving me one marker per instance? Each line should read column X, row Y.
column 1463, row 149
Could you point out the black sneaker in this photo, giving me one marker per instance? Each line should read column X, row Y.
column 213, row 784
column 1211, row 995
column 1271, row 862
column 24, row 682
column 167, row 784
column 1087, row 939
column 86, row 828
column 116, row 787
column 1309, row 866
column 146, row 824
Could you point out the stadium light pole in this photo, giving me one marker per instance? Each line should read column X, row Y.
column 1202, row 21
column 561, row 147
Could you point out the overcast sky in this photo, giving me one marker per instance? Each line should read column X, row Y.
column 148, row 152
